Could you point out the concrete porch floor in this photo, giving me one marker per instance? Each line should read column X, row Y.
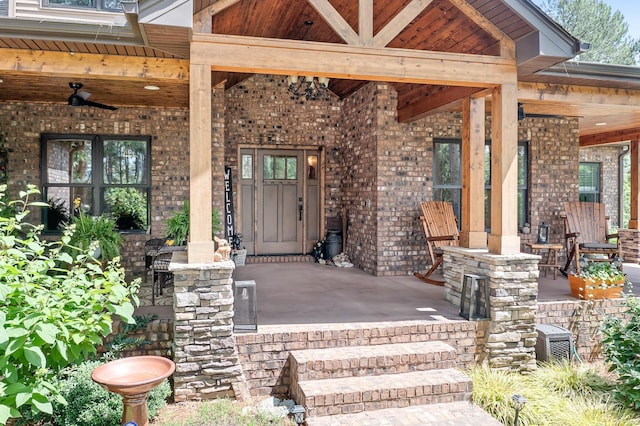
column 310, row 293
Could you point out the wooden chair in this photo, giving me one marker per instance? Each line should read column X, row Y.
column 440, row 229
column 587, row 232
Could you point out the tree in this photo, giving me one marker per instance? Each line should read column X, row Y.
column 594, row 22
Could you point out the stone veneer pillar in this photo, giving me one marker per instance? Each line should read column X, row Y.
column 205, row 353
column 629, row 245
column 510, row 339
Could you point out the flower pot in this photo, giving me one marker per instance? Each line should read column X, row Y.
column 590, row 289
column 239, row 257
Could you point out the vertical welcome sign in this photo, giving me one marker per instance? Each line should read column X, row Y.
column 229, row 228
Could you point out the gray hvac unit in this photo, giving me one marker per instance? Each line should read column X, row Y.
column 553, row 342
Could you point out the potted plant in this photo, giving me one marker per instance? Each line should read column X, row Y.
column 128, row 207
column 238, row 255
column 598, row 279
column 178, row 226
column 100, row 230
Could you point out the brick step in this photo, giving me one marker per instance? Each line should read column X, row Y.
column 451, row 413
column 356, row 394
column 348, row 361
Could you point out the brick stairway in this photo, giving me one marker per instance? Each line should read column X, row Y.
column 391, row 384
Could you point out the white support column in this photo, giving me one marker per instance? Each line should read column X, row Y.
column 200, row 248
column 473, row 234
column 504, row 237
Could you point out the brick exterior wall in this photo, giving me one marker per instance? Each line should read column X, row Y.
column 583, row 319
column 261, row 113
column 607, row 157
column 374, row 167
column 22, row 123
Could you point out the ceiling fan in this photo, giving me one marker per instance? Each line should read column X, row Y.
column 80, row 98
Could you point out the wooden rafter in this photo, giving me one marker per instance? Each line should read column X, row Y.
column 586, row 95
column 610, row 137
column 399, row 22
column 285, row 57
column 202, row 18
column 19, row 61
column 412, row 107
column 365, row 22
column 507, row 46
column 336, row 21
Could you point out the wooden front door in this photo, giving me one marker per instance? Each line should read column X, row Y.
column 285, row 192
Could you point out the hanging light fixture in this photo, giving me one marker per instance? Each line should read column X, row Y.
column 309, row 86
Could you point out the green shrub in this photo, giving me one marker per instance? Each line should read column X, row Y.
column 621, row 349
column 178, row 225
column 54, row 309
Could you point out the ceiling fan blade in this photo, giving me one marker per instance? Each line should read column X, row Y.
column 97, row 105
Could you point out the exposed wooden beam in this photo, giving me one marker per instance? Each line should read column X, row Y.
column 412, row 106
column 285, row 57
column 507, row 46
column 504, row 171
column 19, row 61
column 399, row 22
column 336, row 21
column 365, row 22
column 586, row 95
column 610, row 137
column 472, row 234
column 202, row 18
column 200, row 245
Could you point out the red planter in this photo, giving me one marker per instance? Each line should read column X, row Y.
column 590, row 289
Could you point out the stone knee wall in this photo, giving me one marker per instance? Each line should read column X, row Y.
column 629, row 245
column 509, row 342
column 207, row 364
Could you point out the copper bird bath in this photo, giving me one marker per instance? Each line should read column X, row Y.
column 133, row 378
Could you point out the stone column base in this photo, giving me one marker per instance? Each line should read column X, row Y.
column 629, row 245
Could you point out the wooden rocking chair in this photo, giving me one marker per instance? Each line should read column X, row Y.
column 587, row 232
column 440, row 229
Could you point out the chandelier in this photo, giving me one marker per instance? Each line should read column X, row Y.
column 309, row 86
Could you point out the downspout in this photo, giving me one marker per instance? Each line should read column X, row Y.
column 625, row 151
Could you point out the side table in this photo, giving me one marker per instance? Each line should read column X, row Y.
column 552, row 256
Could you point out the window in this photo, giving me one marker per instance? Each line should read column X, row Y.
column 447, row 177
column 280, row 167
column 107, row 5
column 589, row 182
column 109, row 175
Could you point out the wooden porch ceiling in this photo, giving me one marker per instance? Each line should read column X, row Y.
column 435, row 25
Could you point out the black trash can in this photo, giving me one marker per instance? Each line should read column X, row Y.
column 332, row 244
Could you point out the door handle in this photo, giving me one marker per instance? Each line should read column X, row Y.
column 300, row 209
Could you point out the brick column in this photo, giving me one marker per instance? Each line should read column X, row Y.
column 205, row 353
column 629, row 245
column 510, row 337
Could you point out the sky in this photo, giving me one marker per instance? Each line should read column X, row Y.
column 630, row 9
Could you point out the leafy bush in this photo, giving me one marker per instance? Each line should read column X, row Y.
column 621, row 349
column 178, row 225
column 55, row 309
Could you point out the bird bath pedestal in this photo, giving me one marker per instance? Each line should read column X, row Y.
column 133, row 378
